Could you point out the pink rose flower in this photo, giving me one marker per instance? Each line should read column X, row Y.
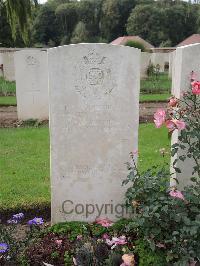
column 196, row 87
column 170, row 125
column 105, row 222
column 128, row 259
column 173, row 101
column 175, row 124
column 179, row 124
column 59, row 242
column 176, row 194
column 159, row 117
column 105, row 236
column 115, row 241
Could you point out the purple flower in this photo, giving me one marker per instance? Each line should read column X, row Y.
column 18, row 216
column 36, row 221
column 3, row 247
column 12, row 221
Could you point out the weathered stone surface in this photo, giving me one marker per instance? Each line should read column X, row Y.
column 187, row 59
column 32, row 84
column 94, row 115
column 161, row 59
column 8, row 66
column 145, row 62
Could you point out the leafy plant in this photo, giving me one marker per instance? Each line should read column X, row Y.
column 135, row 44
column 164, row 217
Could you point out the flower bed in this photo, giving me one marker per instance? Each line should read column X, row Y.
column 164, row 224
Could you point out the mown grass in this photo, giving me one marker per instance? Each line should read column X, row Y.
column 11, row 100
column 7, row 87
column 24, row 163
column 8, row 100
column 159, row 83
column 154, row 97
column 154, row 88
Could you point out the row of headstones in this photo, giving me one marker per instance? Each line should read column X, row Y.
column 94, row 117
column 156, row 59
column 8, row 69
column 7, row 66
column 32, row 80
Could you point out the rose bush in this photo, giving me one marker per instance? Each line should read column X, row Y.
column 165, row 218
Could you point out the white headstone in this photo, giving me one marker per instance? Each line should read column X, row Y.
column 187, row 59
column 1, row 63
column 171, row 63
column 94, row 116
column 160, row 59
column 145, row 62
column 8, row 66
column 32, row 84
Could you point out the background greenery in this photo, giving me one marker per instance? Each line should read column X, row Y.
column 162, row 22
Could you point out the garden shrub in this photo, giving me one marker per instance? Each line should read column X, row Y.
column 165, row 217
column 135, row 44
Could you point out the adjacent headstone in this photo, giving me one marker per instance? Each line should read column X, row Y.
column 94, row 114
column 145, row 62
column 161, row 59
column 1, row 65
column 8, row 66
column 171, row 63
column 172, row 67
column 187, row 59
column 32, row 84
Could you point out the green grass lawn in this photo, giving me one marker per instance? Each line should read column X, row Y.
column 24, row 163
column 11, row 100
column 7, row 86
column 8, row 100
column 154, row 97
column 160, row 83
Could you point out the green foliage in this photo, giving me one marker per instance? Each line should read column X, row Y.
column 167, row 218
column 189, row 139
column 172, row 21
column 5, row 31
column 135, row 45
column 104, row 20
column 145, row 17
column 45, row 26
column 16, row 245
column 155, row 82
column 72, row 229
column 67, row 17
column 147, row 257
column 19, row 15
column 7, row 87
column 80, row 34
column 162, row 219
column 114, row 16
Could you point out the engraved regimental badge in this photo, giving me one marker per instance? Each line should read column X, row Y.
column 94, row 77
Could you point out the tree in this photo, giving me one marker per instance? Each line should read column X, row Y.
column 147, row 22
column 80, row 33
column 19, row 14
column 114, row 17
column 164, row 20
column 89, row 12
column 45, row 26
column 68, row 17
